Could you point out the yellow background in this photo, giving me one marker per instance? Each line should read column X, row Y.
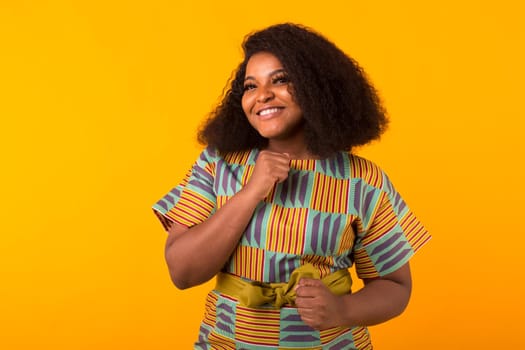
column 99, row 103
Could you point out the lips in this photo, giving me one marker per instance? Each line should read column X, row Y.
column 268, row 110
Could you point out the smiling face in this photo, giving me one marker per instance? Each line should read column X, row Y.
column 268, row 102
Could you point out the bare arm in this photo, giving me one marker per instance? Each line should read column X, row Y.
column 194, row 255
column 378, row 301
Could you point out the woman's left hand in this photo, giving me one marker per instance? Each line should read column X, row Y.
column 318, row 307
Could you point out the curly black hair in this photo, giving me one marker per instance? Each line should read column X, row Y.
column 340, row 107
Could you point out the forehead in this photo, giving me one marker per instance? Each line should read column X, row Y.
column 262, row 63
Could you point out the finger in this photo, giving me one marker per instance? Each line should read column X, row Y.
column 281, row 178
column 282, row 167
column 305, row 311
column 309, row 320
column 308, row 291
column 274, row 155
column 309, row 282
column 310, row 288
column 281, row 173
column 274, row 167
column 305, row 303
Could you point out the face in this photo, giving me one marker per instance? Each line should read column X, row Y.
column 268, row 101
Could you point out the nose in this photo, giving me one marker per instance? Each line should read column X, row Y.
column 264, row 94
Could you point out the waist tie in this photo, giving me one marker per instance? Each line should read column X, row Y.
column 253, row 293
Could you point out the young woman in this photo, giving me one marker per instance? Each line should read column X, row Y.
column 278, row 208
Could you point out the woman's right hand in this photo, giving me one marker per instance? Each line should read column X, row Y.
column 270, row 168
column 215, row 239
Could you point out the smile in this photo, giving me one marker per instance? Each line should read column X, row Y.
column 268, row 111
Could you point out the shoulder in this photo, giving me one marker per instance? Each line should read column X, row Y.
column 362, row 169
column 240, row 157
column 210, row 155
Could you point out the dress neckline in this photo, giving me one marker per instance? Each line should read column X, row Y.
column 308, row 164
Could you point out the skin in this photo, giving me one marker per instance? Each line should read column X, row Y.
column 267, row 88
column 380, row 300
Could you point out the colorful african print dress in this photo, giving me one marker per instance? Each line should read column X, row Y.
column 333, row 213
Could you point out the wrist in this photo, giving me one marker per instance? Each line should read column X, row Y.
column 250, row 196
column 345, row 314
column 252, row 193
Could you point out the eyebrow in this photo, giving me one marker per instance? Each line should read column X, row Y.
column 277, row 71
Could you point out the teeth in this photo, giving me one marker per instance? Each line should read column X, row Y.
column 268, row 111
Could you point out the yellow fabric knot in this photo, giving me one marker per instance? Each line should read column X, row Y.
column 254, row 294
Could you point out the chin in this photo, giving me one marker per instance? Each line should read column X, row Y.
column 269, row 134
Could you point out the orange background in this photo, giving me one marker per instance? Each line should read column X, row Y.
column 99, row 103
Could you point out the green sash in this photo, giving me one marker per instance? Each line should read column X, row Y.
column 254, row 294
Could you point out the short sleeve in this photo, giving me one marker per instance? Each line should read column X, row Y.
column 193, row 200
column 389, row 233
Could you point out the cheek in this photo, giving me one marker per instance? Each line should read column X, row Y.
column 285, row 94
column 245, row 103
column 290, row 101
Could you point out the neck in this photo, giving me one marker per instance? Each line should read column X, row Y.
column 294, row 149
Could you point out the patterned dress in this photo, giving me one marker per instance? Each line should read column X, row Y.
column 333, row 213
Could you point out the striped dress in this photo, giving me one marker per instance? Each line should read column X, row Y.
column 333, row 213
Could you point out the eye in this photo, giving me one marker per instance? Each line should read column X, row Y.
column 249, row 86
column 280, row 79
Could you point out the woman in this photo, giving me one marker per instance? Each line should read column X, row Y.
column 278, row 208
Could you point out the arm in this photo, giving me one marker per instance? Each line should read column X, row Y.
column 194, row 255
column 378, row 301
column 381, row 298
